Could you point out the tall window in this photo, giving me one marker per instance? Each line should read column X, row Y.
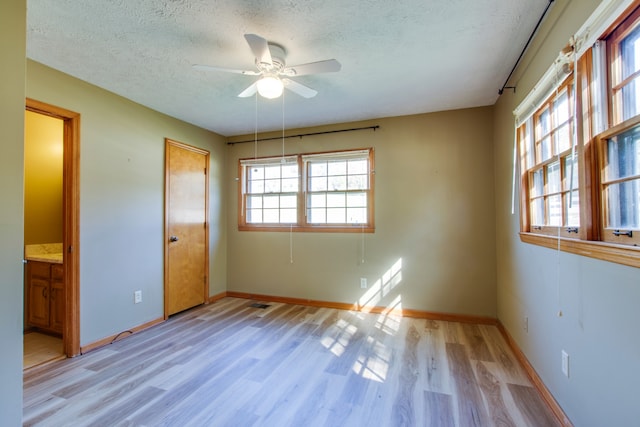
column 549, row 158
column 624, row 63
column 308, row 192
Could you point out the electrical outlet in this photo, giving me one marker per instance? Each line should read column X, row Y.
column 525, row 323
column 137, row 297
column 565, row 363
column 363, row 283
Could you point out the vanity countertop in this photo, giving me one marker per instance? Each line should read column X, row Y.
column 45, row 252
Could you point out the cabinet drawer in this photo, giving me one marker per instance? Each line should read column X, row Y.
column 39, row 269
column 57, row 271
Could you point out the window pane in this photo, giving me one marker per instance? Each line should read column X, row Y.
column 356, row 167
column 256, row 187
column 623, row 200
column 337, row 168
column 537, row 212
column 271, row 202
column 623, row 155
column 544, row 125
column 537, row 183
column 630, row 50
column 256, row 172
column 254, row 202
column 318, row 184
column 271, row 172
column 290, row 171
column 271, row 216
column 254, row 215
column 317, row 216
column 337, row 183
column 356, row 215
column 318, row 201
column 272, row 186
column 562, row 139
column 336, row 216
column 289, row 201
column 290, row 185
column 357, row 182
column 571, row 171
column 545, row 149
column 356, row 200
column 572, row 209
column 561, row 108
column 318, row 169
column 336, row 200
column 553, row 178
column 288, row 216
column 555, row 210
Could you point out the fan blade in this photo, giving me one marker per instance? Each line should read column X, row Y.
column 327, row 66
column 260, row 48
column 226, row 70
column 299, row 88
column 250, row 91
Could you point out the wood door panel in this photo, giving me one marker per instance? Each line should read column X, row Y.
column 186, row 245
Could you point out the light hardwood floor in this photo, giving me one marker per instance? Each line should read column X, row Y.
column 39, row 348
column 228, row 364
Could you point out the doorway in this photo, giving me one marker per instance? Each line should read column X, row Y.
column 64, row 276
column 186, row 245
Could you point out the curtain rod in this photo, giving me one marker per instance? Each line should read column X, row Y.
column 504, row 86
column 300, row 135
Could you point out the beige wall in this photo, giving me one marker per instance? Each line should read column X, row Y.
column 434, row 216
column 42, row 179
column 12, row 54
column 598, row 300
column 122, row 201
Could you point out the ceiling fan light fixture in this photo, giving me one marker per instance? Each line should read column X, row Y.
column 270, row 87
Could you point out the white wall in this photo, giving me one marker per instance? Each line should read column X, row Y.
column 598, row 300
column 12, row 52
column 434, row 217
column 122, row 201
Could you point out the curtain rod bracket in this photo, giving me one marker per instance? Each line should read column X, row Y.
column 507, row 87
column 504, row 86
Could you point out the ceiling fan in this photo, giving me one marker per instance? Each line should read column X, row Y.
column 275, row 75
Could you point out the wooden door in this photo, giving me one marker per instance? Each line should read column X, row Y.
column 186, row 226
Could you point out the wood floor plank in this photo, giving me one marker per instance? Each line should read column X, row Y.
column 403, row 413
column 471, row 408
column 532, row 406
column 228, row 364
column 438, row 409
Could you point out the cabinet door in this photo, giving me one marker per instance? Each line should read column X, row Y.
column 38, row 306
column 56, row 315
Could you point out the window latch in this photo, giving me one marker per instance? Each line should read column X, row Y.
column 536, row 227
column 623, row 233
column 572, row 230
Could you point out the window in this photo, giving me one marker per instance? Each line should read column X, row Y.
column 551, row 177
column 308, row 192
column 581, row 178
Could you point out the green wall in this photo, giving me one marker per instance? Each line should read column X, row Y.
column 12, row 51
column 434, row 217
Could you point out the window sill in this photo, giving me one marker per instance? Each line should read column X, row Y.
column 619, row 254
column 315, row 229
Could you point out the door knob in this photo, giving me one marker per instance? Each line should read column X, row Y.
column 173, row 239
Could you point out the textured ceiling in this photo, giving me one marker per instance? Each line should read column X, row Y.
column 398, row 57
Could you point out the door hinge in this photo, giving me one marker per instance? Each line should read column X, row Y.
column 205, row 171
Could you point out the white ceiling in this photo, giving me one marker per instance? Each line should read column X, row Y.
column 398, row 57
